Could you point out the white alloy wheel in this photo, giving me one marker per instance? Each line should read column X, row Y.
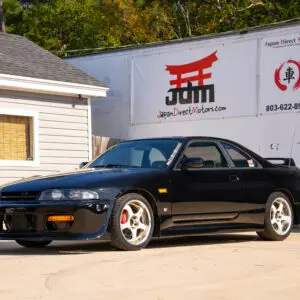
column 281, row 216
column 278, row 219
column 135, row 222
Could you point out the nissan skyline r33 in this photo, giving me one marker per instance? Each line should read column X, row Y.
column 155, row 187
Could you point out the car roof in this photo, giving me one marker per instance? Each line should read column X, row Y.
column 181, row 138
column 184, row 139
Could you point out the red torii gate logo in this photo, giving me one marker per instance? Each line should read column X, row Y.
column 192, row 92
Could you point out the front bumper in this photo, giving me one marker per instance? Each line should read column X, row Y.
column 29, row 220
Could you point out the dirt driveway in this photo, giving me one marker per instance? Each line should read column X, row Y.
column 215, row 267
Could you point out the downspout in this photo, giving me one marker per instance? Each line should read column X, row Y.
column 90, row 129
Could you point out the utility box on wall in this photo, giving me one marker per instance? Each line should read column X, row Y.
column 245, row 87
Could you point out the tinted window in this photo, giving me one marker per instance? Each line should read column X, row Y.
column 239, row 158
column 157, row 158
column 209, row 152
column 141, row 154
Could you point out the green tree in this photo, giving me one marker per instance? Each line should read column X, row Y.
column 66, row 25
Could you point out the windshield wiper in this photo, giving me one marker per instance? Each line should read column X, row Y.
column 115, row 166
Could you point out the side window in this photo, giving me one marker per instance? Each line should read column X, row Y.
column 157, row 159
column 239, row 158
column 209, row 152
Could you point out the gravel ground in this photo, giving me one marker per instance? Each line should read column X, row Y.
column 219, row 267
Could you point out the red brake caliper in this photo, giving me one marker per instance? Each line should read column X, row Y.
column 124, row 217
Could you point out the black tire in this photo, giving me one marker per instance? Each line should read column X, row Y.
column 117, row 238
column 269, row 233
column 33, row 244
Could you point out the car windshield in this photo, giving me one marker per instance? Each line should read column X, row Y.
column 139, row 154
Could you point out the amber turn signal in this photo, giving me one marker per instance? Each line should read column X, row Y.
column 163, row 191
column 61, row 218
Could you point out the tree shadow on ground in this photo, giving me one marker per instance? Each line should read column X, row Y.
column 201, row 240
column 10, row 248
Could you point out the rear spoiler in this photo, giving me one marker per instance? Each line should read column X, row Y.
column 281, row 161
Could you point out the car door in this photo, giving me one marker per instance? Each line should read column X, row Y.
column 255, row 181
column 211, row 192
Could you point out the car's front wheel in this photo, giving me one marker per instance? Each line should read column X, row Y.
column 33, row 244
column 278, row 218
column 132, row 222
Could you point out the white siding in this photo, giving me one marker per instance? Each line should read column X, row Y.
column 63, row 132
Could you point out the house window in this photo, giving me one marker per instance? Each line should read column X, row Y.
column 15, row 137
column 18, row 138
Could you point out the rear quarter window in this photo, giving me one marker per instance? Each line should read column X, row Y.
column 239, row 158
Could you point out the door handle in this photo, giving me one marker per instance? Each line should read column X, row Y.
column 234, row 178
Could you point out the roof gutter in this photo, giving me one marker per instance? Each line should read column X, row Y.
column 36, row 85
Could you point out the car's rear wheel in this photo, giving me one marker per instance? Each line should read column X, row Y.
column 278, row 218
column 33, row 244
column 132, row 222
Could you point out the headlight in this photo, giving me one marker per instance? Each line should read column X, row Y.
column 76, row 194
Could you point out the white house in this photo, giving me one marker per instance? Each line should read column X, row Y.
column 45, row 123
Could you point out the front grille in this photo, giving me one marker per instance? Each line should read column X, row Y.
column 18, row 223
column 12, row 196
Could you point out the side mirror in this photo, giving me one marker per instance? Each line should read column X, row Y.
column 193, row 163
column 83, row 164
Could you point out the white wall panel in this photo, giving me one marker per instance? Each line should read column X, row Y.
column 110, row 116
column 247, row 71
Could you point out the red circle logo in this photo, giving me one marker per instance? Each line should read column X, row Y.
column 288, row 74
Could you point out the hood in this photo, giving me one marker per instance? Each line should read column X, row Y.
column 83, row 178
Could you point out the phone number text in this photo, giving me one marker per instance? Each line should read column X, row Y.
column 289, row 106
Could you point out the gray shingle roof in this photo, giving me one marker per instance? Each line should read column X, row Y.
column 21, row 57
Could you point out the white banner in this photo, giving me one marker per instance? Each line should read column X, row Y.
column 195, row 84
column 280, row 74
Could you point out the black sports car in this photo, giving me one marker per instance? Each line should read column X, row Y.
column 156, row 187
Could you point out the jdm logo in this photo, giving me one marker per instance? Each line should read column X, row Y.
column 194, row 72
column 287, row 75
column 190, row 87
